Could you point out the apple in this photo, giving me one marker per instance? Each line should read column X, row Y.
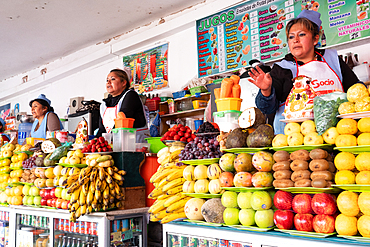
column 42, row 193
column 229, row 199
column 264, row 218
column 58, row 203
column 301, row 204
column 44, row 201
column 283, row 200
column 47, row 194
column 52, row 193
column 244, row 200
column 64, row 193
column 246, row 217
column 30, row 200
column 284, row 219
column 231, row 216
column 261, row 200
column 25, row 199
column 34, row 191
column 323, row 204
column 303, row 222
column 58, row 192
column 53, row 201
column 48, row 202
column 323, row 223
column 68, row 197
column 65, row 204
column 26, row 190
column 37, row 200
column 49, row 182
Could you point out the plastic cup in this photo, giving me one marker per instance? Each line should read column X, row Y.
column 197, row 123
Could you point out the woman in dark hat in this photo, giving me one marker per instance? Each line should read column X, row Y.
column 45, row 118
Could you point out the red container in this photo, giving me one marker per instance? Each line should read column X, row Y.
column 61, row 225
column 88, row 227
column 72, row 226
column 152, row 104
column 66, row 226
column 77, row 227
column 149, row 167
column 82, row 227
column 94, row 228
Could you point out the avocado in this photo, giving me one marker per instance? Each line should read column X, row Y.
column 237, row 138
column 261, row 137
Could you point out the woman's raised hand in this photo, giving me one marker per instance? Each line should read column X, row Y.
column 261, row 79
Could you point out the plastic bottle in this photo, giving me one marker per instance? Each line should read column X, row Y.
column 24, row 131
column 323, row 39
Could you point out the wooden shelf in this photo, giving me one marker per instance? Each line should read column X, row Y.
column 183, row 112
column 191, row 97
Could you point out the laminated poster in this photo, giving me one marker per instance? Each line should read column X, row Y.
column 228, row 40
column 149, row 69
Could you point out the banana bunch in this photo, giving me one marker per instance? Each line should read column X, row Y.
column 168, row 155
column 168, row 182
column 96, row 187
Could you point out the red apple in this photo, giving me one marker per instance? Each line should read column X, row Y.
column 323, row 204
column 302, row 204
column 47, row 194
column 42, row 193
column 52, row 193
column 65, row 204
column 227, row 179
column 44, row 202
column 283, row 200
column 284, row 219
column 48, row 202
column 323, row 223
column 58, row 203
column 303, row 222
column 53, row 202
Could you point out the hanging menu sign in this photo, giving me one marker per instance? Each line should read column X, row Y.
column 231, row 38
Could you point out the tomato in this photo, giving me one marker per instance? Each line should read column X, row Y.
column 183, row 139
column 187, row 135
column 189, row 131
column 189, row 139
column 183, row 129
column 176, row 137
column 180, row 133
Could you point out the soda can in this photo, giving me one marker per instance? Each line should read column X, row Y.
column 2, row 215
column 82, row 227
column 22, row 218
column 7, row 216
column 34, row 220
column 77, row 227
column 56, row 224
column 94, row 228
column 26, row 219
column 72, row 226
column 47, row 221
column 223, row 243
column 61, row 224
column 38, row 221
column 234, row 244
column 246, row 244
column 87, row 227
column 66, row 225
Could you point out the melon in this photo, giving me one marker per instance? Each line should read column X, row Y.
column 193, row 209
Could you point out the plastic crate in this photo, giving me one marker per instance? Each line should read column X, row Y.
column 153, row 105
column 180, row 94
column 200, row 89
column 199, row 104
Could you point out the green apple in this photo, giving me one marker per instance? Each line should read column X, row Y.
column 64, row 194
column 229, row 199
column 37, row 200
column 246, row 217
column 244, row 199
column 58, row 192
column 34, row 191
column 231, row 216
column 25, row 200
column 261, row 200
column 26, row 190
column 264, row 218
column 30, row 200
column 68, row 196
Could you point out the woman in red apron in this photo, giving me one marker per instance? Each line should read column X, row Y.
column 322, row 70
column 122, row 99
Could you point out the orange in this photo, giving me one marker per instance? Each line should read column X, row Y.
column 364, row 203
column 363, row 177
column 347, row 126
column 363, row 225
column 347, row 203
column 345, row 161
column 364, row 125
column 345, row 177
column 346, row 225
column 345, row 141
column 362, row 161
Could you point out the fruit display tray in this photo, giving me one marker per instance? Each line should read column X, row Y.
column 305, row 147
column 296, row 120
column 309, row 190
column 72, row 165
column 244, row 150
column 353, row 187
column 246, row 189
column 201, row 161
column 204, row 223
column 356, row 238
column 203, row 195
column 306, row 234
column 355, row 115
column 26, row 152
column 251, row 228
column 354, row 149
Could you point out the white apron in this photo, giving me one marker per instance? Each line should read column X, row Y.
column 324, row 81
column 110, row 114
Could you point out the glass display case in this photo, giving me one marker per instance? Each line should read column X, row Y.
column 39, row 227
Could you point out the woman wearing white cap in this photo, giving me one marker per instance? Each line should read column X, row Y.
column 122, row 99
column 303, row 61
column 45, row 118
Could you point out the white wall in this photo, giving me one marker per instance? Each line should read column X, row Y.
column 84, row 73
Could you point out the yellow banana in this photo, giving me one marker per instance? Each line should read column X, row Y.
column 158, row 216
column 101, row 173
column 103, row 158
column 175, row 155
column 75, row 206
column 161, row 183
column 163, row 197
column 175, row 190
column 92, row 156
column 111, row 191
column 117, row 189
column 72, row 217
column 109, row 178
column 85, row 172
column 117, row 176
column 68, row 182
column 94, row 204
column 89, row 198
column 97, row 195
column 97, row 185
column 85, row 188
column 173, row 199
column 174, row 175
column 163, row 159
column 73, row 187
column 156, row 208
column 172, row 217
column 122, row 172
column 104, row 185
column 92, row 186
column 111, row 199
column 120, row 183
column 89, row 210
column 106, row 193
column 82, row 199
column 83, row 209
column 159, row 175
column 94, row 174
column 155, row 193
column 78, row 212
column 109, row 170
column 75, row 195
column 106, row 163
column 175, row 206
column 119, row 204
column 65, row 171
column 106, row 202
column 173, row 183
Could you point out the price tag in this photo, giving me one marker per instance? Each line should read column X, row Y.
column 288, row 3
column 289, row 9
column 290, row 16
column 254, row 31
column 254, row 25
column 256, row 55
column 255, row 49
column 255, row 37
column 253, row 14
column 355, row 35
column 255, row 43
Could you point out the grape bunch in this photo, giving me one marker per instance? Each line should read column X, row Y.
column 206, row 147
column 29, row 163
column 207, row 127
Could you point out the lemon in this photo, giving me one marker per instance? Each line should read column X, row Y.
column 347, row 203
column 364, row 125
column 345, row 177
column 346, row 225
column 362, row 162
column 364, row 203
column 363, row 177
column 363, row 225
column 345, row 161
column 347, row 126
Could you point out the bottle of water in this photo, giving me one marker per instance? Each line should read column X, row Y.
column 24, row 131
